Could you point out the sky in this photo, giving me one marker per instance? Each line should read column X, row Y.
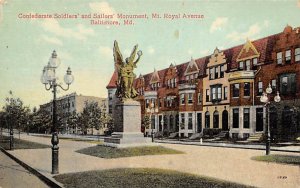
column 26, row 44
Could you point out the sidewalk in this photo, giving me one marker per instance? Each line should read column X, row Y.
column 229, row 145
column 229, row 164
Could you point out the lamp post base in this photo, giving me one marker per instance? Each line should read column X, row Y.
column 55, row 149
column 268, row 146
column 11, row 139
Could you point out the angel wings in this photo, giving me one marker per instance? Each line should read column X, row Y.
column 125, row 72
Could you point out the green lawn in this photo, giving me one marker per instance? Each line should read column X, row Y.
column 140, row 177
column 20, row 144
column 110, row 152
column 286, row 159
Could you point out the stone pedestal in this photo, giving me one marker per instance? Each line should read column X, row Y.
column 127, row 126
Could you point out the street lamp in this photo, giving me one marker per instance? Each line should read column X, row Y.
column 265, row 98
column 49, row 78
column 151, row 109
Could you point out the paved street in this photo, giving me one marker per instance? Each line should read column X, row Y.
column 12, row 175
column 224, row 163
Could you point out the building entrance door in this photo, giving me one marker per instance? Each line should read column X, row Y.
column 225, row 120
column 259, row 119
column 199, row 122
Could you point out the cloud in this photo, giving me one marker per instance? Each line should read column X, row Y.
column 218, row 24
column 51, row 40
column 253, row 31
column 151, row 50
column 106, row 52
column 103, row 7
column 204, row 52
column 266, row 23
column 80, row 32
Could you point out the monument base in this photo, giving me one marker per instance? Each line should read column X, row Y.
column 122, row 140
column 127, row 124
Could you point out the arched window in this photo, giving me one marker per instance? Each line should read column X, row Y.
column 207, row 119
column 216, row 120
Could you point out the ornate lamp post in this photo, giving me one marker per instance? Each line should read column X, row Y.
column 265, row 98
column 151, row 110
column 49, row 79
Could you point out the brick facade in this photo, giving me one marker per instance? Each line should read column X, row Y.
column 223, row 90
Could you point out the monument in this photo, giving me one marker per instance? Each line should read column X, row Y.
column 127, row 113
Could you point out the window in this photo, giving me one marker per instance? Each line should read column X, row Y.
column 236, row 90
column 217, row 72
column 216, row 94
column 255, row 61
column 273, row 85
column 248, row 64
column 190, row 98
column 288, row 84
column 297, row 54
column 207, row 119
column 213, row 94
column 190, row 120
column 196, row 75
column 110, row 96
column 147, row 103
column 222, row 71
column 182, row 121
column 174, row 82
column 235, row 118
column 260, row 88
column 279, row 58
column 199, row 98
column 216, row 119
column 182, row 99
column 219, row 93
column 246, row 89
column 207, row 95
column 288, row 56
column 246, row 117
column 211, row 72
column 159, row 103
column 225, row 93
column 241, row 65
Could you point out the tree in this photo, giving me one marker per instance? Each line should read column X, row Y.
column 15, row 112
column 145, row 123
column 90, row 117
column 41, row 121
column 107, row 121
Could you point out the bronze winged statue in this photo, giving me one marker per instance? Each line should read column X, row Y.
column 126, row 76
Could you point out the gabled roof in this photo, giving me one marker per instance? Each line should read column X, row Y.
column 113, row 81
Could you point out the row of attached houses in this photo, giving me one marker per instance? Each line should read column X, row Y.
column 222, row 91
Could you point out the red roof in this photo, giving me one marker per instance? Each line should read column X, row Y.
column 113, row 81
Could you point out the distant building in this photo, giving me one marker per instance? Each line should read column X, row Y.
column 72, row 104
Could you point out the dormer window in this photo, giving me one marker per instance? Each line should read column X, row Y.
column 241, row 65
column 211, row 73
column 216, row 72
column 279, row 58
column 288, row 56
column 297, row 54
column 254, row 61
column 248, row 65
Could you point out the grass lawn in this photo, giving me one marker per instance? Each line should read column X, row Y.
column 110, row 152
column 140, row 177
column 20, row 144
column 286, row 159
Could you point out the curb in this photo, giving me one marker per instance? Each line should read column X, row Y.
column 235, row 147
column 42, row 177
